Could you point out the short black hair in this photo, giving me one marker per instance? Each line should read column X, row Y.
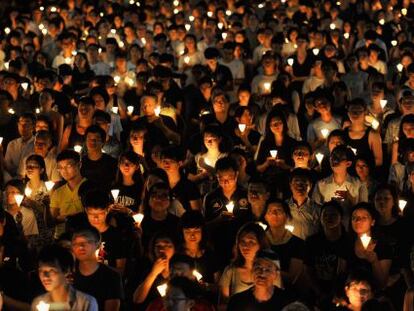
column 88, row 233
column 96, row 129
column 300, row 172
column 95, row 198
column 68, row 155
column 226, row 163
column 56, row 256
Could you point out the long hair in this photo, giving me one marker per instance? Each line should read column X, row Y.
column 275, row 113
column 41, row 162
column 133, row 158
column 192, row 219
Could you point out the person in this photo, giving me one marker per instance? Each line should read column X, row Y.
column 358, row 290
column 111, row 146
column 55, row 265
column 405, row 132
column 237, row 276
column 257, row 195
column 263, row 295
column 20, row 147
column 65, row 200
column 364, row 170
column 92, row 277
column 97, row 166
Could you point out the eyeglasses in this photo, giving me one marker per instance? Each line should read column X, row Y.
column 82, row 244
column 160, row 196
column 360, row 218
column 263, row 270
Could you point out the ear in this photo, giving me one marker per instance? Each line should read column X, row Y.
column 348, row 163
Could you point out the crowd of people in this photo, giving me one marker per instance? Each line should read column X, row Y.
column 207, row 155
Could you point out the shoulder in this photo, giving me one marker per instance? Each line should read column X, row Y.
column 83, row 298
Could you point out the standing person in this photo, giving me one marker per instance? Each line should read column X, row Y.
column 55, row 266
column 264, row 295
column 65, row 200
column 92, row 277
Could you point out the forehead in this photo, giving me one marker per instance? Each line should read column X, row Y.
column 225, row 173
column 264, row 263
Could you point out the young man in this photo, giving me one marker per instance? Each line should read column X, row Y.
column 93, row 277
column 55, row 266
column 96, row 165
column 65, row 201
column 341, row 186
column 263, row 295
column 183, row 190
column 257, row 195
column 305, row 213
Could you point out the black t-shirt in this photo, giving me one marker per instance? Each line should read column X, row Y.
column 245, row 301
column 150, row 227
column 154, row 134
column 104, row 284
column 114, row 247
column 294, row 248
column 129, row 196
column 102, row 172
column 185, row 191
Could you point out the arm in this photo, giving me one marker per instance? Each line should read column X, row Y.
column 120, row 265
column 295, row 270
column 195, row 204
column 375, row 145
column 380, row 270
column 15, row 304
column 144, row 288
column 394, row 156
column 65, row 138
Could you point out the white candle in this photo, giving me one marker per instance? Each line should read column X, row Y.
column 228, row 12
column 224, row 35
column 114, row 110
column 267, row 86
column 290, row 61
column 49, row 185
column 42, row 306
column 381, row 21
column 1, row 140
column 25, row 85
column 187, row 27
column 273, row 153
column 144, row 41
column 117, row 79
column 365, row 239
column 210, row 14
column 315, row 51
column 242, row 127
column 332, row 26
column 18, row 198
column 394, row 42
column 11, row 111
column 191, row 18
column 354, row 150
column 130, row 109
column 187, row 59
column 157, row 110
column 230, row 207
column 402, row 204
column 404, row 11
column 197, row 275
column 138, row 218
column 325, row 133
column 383, row 103
column 346, row 35
column 37, row 110
column 290, row 228
column 77, row 148
column 74, row 53
column 400, row 67
column 319, row 157
column 375, row 124
column 263, row 225
column 162, row 289
column 220, row 25
column 27, row 191
column 113, row 31
column 115, row 193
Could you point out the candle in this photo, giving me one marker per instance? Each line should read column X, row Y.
column 27, row 191
column 77, row 148
column 130, row 109
column 113, row 31
column 25, row 85
column 325, row 133
column 267, row 86
column 383, row 103
column 11, row 111
column 49, row 185
column 224, row 35
column 18, row 198
column 210, row 14
column 162, row 289
column 230, row 207
column 394, row 42
column 404, row 11
column 157, row 111
column 117, row 79
column 44, row 32
column 365, row 239
column 129, row 81
column 138, row 218
column 315, row 51
column 228, row 12
column 319, row 157
column 332, row 26
column 197, row 275
column 290, row 61
column 354, row 150
column 42, row 306
column 187, row 60
column 402, row 204
column 290, row 228
column 381, row 21
column 37, row 110
column 1, row 140
column 176, row 3
column 346, row 35
column 115, row 193
column 262, row 224
column 242, row 127
column 74, row 53
column 187, row 27
column 375, row 124
column 273, row 153
column 144, row 41
column 191, row 18
column 261, row 5
column 400, row 67
column 207, row 162
column 114, row 110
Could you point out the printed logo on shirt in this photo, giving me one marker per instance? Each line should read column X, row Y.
column 243, row 203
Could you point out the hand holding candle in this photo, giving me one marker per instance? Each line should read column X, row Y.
column 230, row 207
column 365, row 239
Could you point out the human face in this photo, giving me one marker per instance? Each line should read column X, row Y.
column 256, row 194
column 248, row 245
column 148, row 106
column 300, row 186
column 211, row 141
column 33, row 169
column 41, row 146
column 170, row 165
column 192, row 235
column 159, row 200
column 52, row 277
column 220, row 104
column 10, row 192
column 164, row 248
column 356, row 113
column 362, row 169
column 84, row 248
column 175, row 300
column 227, row 179
column 94, row 142
column 330, row 218
column 96, row 216
column 358, row 294
column 384, row 202
column 362, row 221
column 68, row 169
column 408, row 129
column 322, row 106
column 99, row 102
column 265, row 273
column 127, row 168
column 276, row 125
column 136, row 139
column 334, row 141
column 85, row 111
column 244, row 97
column 275, row 215
column 301, row 157
column 25, row 128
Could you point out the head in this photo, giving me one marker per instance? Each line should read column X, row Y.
column 137, row 136
column 300, row 182
column 341, row 159
column 331, row 215
column 301, row 155
column 257, row 192
column 227, row 173
column 68, row 165
column 25, row 125
column 363, row 167
column 95, row 138
column 162, row 245
column 172, row 158
column 148, row 105
column 192, row 227
column 86, row 108
column 220, row 102
column 276, row 213
column 181, row 294
column 212, row 137
column 96, row 204
column 357, row 109
column 35, row 167
column 85, row 242
column 13, row 187
column 358, row 290
column 249, row 240
column 276, row 123
column 386, row 201
column 42, row 143
column 266, row 269
column 159, row 198
column 363, row 217
column 335, row 138
column 129, row 165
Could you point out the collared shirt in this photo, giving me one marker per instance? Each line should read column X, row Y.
column 393, row 130
column 17, row 149
column 305, row 218
column 29, row 223
column 78, row 301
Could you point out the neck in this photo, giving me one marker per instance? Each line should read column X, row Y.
column 94, row 155
column 174, row 178
column 139, row 150
column 386, row 219
column 339, row 178
column 257, row 210
column 74, row 182
column 102, row 227
column 262, row 293
column 127, row 180
column 358, row 126
column 229, row 192
column 84, row 122
column 277, row 232
column 326, row 117
column 221, row 116
column 159, row 215
column 249, row 263
column 88, row 266
column 13, row 209
column 60, row 294
column 26, row 138
column 333, row 234
column 192, row 249
column 35, row 183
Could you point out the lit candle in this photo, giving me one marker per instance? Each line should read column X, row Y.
column 113, row 31
column 27, row 192
column 68, row 60
column 18, row 198
column 290, row 61
column 187, row 27
column 162, row 289
column 115, row 193
column 25, row 85
column 375, row 124
column 197, row 275
column 1, row 140
column 129, row 81
column 394, row 42
column 210, row 14
column 315, row 51
column 325, row 133
column 144, row 41
column 42, row 306
column 262, row 224
column 157, row 111
column 49, row 185
column 53, row 9
column 44, row 32
column 207, row 162
column 187, row 59
column 74, row 53
column 346, row 35
column 130, row 109
column 273, row 153
column 242, row 127
column 404, row 11
column 332, row 26
column 220, row 25
column 230, row 207
column 11, row 111
column 114, row 110
column 224, row 35
column 228, row 12
column 383, row 103
column 354, row 150
column 400, row 67
column 117, row 79
column 319, row 157
column 191, row 18
column 261, row 5
column 290, row 228
column 77, row 148
column 138, row 218
column 176, row 3
column 365, row 239
column 267, row 86
column 402, row 204
column 381, row 21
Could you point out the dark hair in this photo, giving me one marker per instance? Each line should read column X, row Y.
column 301, row 173
column 258, row 231
column 56, row 256
column 16, row 183
column 88, row 233
column 192, row 219
column 182, row 258
column 41, row 162
column 133, row 158
column 276, row 112
column 367, row 207
column 394, row 194
column 216, row 131
column 334, row 204
column 156, row 186
column 68, row 155
column 28, row 116
column 96, row 129
column 409, row 118
column 160, row 235
column 226, row 163
column 190, row 288
column 284, row 205
column 101, row 91
column 95, row 198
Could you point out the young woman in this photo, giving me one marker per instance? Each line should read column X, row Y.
column 364, row 170
column 358, row 290
column 375, row 258
column 138, row 144
column 82, row 73
column 406, row 131
column 46, row 102
column 238, row 276
column 290, row 248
